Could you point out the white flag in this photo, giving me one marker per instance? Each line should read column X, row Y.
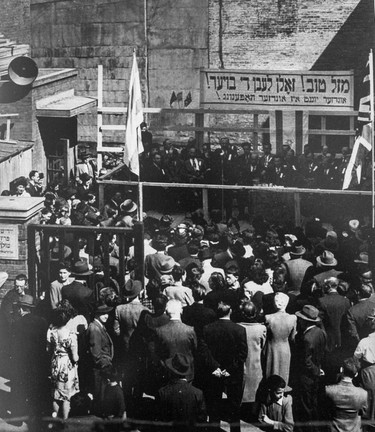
column 133, row 137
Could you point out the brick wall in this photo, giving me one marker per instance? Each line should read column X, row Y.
column 15, row 20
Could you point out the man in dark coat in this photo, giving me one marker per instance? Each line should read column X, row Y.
column 100, row 348
column 29, row 361
column 310, row 349
column 356, row 317
column 333, row 308
column 223, row 352
column 80, row 297
column 179, row 401
column 175, row 337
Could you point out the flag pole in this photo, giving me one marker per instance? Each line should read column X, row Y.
column 371, row 69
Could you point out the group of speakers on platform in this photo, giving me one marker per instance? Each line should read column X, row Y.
column 232, row 164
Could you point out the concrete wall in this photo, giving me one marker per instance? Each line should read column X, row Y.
column 91, row 32
column 15, row 20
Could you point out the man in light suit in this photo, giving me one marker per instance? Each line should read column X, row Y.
column 346, row 403
column 223, row 352
column 100, row 352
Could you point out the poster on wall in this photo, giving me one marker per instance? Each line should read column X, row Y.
column 266, row 89
column 8, row 241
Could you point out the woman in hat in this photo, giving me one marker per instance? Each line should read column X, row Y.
column 281, row 329
column 63, row 345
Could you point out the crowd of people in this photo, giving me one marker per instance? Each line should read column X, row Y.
column 279, row 318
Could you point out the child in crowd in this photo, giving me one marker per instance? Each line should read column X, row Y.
column 276, row 411
column 113, row 401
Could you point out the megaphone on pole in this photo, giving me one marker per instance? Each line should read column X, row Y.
column 22, row 71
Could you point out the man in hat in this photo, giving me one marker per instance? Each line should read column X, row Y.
column 85, row 167
column 234, row 253
column 324, row 268
column 8, row 314
column 306, row 369
column 179, row 251
column 81, row 297
column 296, row 267
column 128, row 211
column 158, row 263
column 223, row 352
column 100, row 354
column 179, row 401
column 346, row 402
column 85, row 186
column 29, row 382
column 127, row 316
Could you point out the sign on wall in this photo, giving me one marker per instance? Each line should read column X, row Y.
column 263, row 89
column 8, row 242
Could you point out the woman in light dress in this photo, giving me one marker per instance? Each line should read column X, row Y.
column 281, row 329
column 63, row 346
column 256, row 338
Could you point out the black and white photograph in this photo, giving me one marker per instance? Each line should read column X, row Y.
column 187, row 216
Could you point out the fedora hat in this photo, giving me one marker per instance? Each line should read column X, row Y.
column 103, row 309
column 205, row 253
column 26, row 300
column 366, row 276
column 326, row 259
column 128, row 206
column 167, row 265
column 179, row 364
column 132, row 288
column 309, row 313
column 354, row 224
column 362, row 259
column 81, row 268
column 297, row 250
column 85, row 177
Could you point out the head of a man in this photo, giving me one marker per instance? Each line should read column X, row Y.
column 20, row 284
column 174, row 309
column 64, row 272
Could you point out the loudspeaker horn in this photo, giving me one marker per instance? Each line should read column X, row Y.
column 22, row 71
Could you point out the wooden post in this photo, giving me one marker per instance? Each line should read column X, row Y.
column 297, row 209
column 101, row 195
column 139, row 251
column 199, row 135
column 206, row 213
column 31, row 260
column 140, row 201
column 100, row 117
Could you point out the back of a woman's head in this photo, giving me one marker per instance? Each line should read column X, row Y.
column 257, row 272
column 60, row 316
column 193, row 271
column 216, row 281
